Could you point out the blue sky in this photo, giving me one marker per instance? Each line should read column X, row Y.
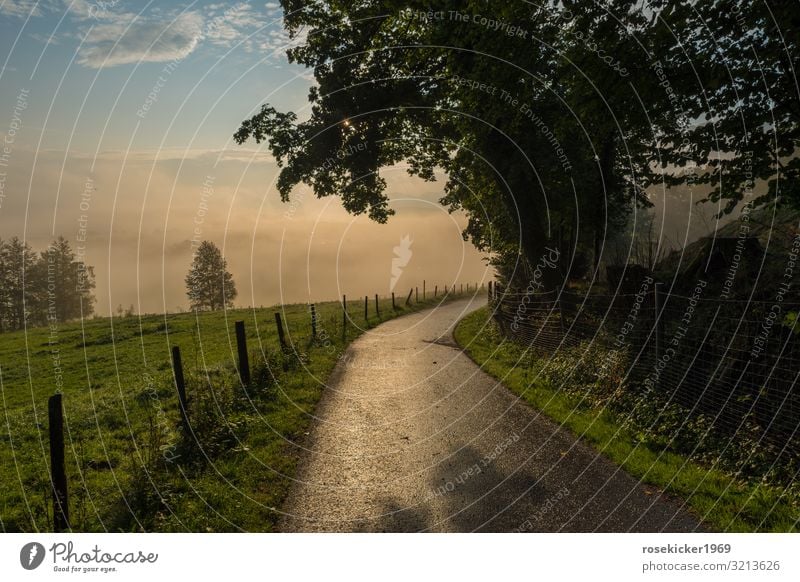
column 90, row 66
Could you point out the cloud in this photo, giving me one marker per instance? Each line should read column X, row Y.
column 276, row 42
column 117, row 38
column 20, row 8
column 112, row 36
column 129, row 39
column 80, row 8
column 258, row 31
column 47, row 39
column 233, row 24
column 212, row 156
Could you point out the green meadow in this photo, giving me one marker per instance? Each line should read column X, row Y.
column 131, row 466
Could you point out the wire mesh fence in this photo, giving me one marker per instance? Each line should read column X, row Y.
column 732, row 364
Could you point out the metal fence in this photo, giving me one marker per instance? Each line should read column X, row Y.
column 736, row 363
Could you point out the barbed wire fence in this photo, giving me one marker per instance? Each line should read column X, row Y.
column 730, row 365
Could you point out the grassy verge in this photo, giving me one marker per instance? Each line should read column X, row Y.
column 722, row 501
column 130, row 464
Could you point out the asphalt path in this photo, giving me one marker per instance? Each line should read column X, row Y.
column 412, row 436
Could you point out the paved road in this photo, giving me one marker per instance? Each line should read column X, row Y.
column 412, row 436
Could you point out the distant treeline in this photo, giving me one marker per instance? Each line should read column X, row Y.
column 42, row 288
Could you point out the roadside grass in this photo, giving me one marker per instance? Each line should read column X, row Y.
column 130, row 464
column 722, row 501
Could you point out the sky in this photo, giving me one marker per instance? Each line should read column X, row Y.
column 116, row 124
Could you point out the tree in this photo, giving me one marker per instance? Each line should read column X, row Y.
column 551, row 120
column 63, row 284
column 37, row 289
column 538, row 130
column 745, row 114
column 19, row 297
column 5, row 297
column 209, row 285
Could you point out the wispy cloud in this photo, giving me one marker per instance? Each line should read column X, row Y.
column 112, row 35
column 44, row 38
column 125, row 40
column 276, row 41
column 258, row 30
column 117, row 38
column 21, row 8
column 212, row 156
column 233, row 23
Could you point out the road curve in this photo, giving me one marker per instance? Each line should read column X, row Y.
column 412, row 436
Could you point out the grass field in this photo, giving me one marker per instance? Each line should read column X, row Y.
column 722, row 501
column 130, row 466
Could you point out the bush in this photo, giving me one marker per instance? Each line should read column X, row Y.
column 216, row 421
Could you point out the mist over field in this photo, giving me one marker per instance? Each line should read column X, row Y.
column 134, row 218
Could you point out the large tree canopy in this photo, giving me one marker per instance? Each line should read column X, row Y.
column 550, row 120
column 740, row 119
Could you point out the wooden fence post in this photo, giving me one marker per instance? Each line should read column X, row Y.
column 344, row 315
column 58, row 473
column 408, row 299
column 658, row 320
column 282, row 340
column 377, row 307
column 394, row 307
column 313, row 321
column 416, row 294
column 241, row 346
column 366, row 307
column 180, row 385
column 281, row 334
column 435, row 291
column 423, row 289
